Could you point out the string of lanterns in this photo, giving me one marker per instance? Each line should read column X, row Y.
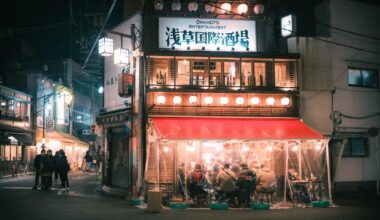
column 226, row 7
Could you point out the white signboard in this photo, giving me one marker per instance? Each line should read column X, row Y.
column 207, row 34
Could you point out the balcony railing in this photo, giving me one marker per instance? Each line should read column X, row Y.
column 13, row 117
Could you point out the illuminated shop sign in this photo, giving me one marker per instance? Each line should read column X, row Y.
column 207, row 34
column 288, row 25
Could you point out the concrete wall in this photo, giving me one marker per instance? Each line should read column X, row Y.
column 323, row 68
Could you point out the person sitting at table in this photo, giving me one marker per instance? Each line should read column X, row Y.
column 226, row 184
column 196, row 183
column 266, row 181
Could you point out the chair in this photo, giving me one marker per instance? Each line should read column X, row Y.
column 267, row 194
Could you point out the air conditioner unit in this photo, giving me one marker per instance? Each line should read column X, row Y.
column 86, row 132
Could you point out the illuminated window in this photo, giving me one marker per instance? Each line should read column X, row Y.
column 231, row 74
column 161, row 72
column 216, row 73
column 260, row 78
column 362, row 78
column 183, row 72
column 200, row 75
column 280, row 75
column 246, row 70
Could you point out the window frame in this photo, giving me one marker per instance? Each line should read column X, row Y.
column 349, row 144
column 376, row 75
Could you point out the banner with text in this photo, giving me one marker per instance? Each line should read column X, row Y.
column 207, row 34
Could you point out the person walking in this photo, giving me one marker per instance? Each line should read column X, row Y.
column 47, row 170
column 246, row 184
column 87, row 161
column 55, row 166
column 63, row 169
column 37, row 166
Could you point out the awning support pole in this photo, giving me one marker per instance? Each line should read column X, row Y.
column 158, row 164
column 328, row 170
column 299, row 160
column 286, row 169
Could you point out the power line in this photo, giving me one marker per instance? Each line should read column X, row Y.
column 294, row 32
column 100, row 32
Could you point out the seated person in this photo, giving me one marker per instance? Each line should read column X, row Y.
column 266, row 181
column 197, row 182
column 246, row 185
column 226, row 183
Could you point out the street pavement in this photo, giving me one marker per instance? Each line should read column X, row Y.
column 84, row 201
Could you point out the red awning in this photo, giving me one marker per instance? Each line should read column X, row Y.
column 198, row 128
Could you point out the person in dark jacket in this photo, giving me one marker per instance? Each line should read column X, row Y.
column 246, row 183
column 63, row 169
column 37, row 166
column 55, row 165
column 47, row 170
column 87, row 161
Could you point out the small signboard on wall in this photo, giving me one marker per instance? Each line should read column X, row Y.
column 207, row 34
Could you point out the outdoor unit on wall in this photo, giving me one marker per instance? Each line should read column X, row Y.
column 86, row 132
column 125, row 84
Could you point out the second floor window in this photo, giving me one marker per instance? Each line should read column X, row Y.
column 363, row 77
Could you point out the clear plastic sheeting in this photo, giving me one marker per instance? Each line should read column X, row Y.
column 287, row 171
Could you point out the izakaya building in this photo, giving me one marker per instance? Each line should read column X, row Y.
column 215, row 88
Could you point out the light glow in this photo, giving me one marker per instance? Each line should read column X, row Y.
column 242, row 8
column 224, row 100
column 255, row 100
column 270, row 101
column 193, row 99
column 161, row 99
column 209, row 100
column 295, row 148
column 226, row 7
column 177, row 100
column 239, row 100
column 245, row 149
column 166, row 149
column 285, row 101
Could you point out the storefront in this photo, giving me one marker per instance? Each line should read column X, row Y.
column 115, row 129
column 74, row 148
column 215, row 96
column 177, row 144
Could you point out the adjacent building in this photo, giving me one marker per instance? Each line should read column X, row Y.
column 339, row 84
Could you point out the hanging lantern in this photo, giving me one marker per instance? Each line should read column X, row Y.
column 176, row 5
column 121, row 57
column 105, row 46
column 242, row 8
column 226, row 7
column 209, row 8
column 158, row 5
column 258, row 9
column 192, row 7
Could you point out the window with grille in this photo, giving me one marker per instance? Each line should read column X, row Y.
column 356, row 147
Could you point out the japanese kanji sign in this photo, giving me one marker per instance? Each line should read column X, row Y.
column 207, row 34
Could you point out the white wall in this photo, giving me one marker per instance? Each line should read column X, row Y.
column 323, row 67
column 112, row 100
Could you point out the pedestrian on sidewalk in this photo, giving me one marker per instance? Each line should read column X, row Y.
column 55, row 165
column 47, row 170
column 87, row 161
column 63, row 169
column 37, row 168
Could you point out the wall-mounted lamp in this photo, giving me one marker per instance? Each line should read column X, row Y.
column 224, row 100
column 285, row 101
column 258, row 9
column 192, row 6
column 209, row 8
column 209, row 100
column 161, row 99
column 177, row 100
column 270, row 101
column 176, row 5
column 239, row 100
column 193, row 99
column 226, row 7
column 255, row 100
column 105, row 46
